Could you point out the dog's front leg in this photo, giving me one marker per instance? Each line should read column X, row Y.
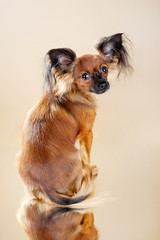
column 85, row 140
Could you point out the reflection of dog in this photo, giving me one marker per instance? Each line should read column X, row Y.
column 48, row 162
column 43, row 221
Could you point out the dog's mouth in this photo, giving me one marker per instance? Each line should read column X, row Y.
column 102, row 88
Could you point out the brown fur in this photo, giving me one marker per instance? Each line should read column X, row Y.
column 87, row 63
column 45, row 222
column 49, row 159
column 49, row 164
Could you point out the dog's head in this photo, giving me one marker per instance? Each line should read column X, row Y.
column 89, row 72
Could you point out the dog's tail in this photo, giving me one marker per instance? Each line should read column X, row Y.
column 80, row 199
column 83, row 202
column 64, row 200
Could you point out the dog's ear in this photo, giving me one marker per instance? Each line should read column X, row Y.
column 114, row 51
column 58, row 61
column 62, row 59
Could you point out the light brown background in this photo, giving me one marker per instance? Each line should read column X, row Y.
column 126, row 144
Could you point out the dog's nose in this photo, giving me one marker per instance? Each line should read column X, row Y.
column 103, row 86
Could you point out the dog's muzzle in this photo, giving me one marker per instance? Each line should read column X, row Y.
column 102, row 87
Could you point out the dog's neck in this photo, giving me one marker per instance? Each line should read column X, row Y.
column 82, row 98
column 77, row 97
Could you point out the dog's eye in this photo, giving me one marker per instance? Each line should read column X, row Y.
column 86, row 76
column 104, row 69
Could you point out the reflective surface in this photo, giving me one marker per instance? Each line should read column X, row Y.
column 42, row 221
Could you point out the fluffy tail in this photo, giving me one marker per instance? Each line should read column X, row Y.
column 66, row 201
column 86, row 191
column 83, row 202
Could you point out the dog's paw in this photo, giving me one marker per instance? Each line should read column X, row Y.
column 94, row 171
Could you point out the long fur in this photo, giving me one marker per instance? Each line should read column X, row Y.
column 51, row 167
column 44, row 221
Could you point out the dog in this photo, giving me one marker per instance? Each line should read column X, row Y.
column 50, row 166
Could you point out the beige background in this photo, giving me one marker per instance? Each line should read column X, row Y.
column 126, row 144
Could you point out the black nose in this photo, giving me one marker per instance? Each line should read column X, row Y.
column 102, row 86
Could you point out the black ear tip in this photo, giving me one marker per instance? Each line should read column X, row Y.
column 67, row 52
column 111, row 39
column 51, row 52
column 117, row 37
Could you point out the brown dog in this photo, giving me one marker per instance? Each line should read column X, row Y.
column 49, row 163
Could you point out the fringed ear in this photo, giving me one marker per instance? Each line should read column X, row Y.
column 114, row 51
column 62, row 59
column 58, row 61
